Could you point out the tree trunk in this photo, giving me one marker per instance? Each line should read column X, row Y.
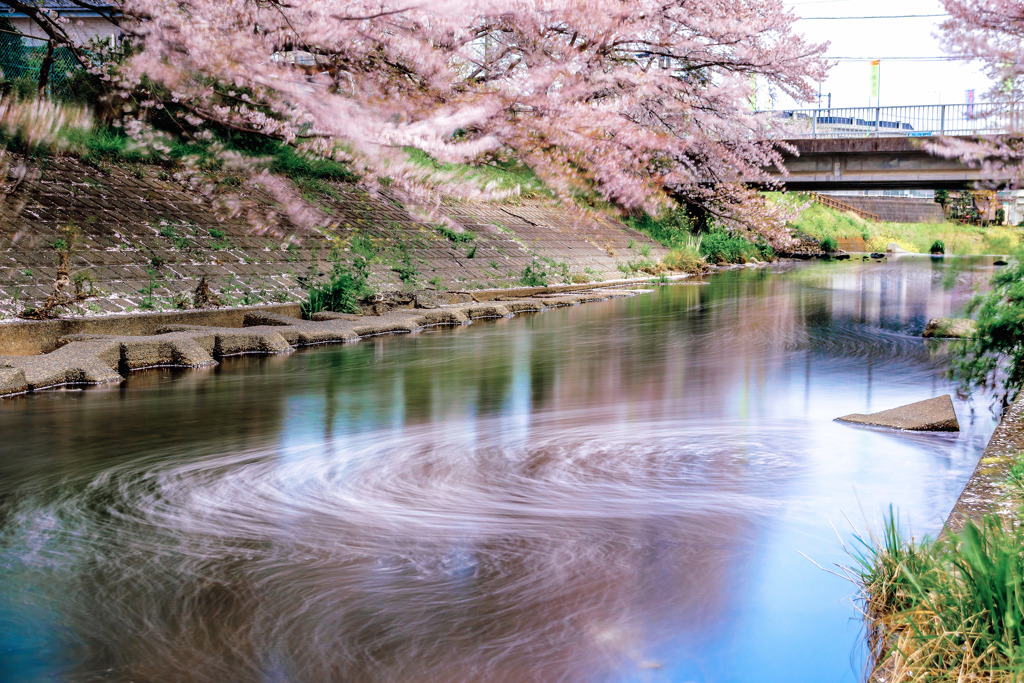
column 44, row 68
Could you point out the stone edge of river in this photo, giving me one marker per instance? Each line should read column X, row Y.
column 985, row 492
column 139, row 342
column 103, row 350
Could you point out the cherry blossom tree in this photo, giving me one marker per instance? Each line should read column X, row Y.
column 992, row 32
column 633, row 101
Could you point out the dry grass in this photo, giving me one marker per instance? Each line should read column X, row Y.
column 40, row 125
column 949, row 610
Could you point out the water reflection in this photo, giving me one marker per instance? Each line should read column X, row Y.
column 618, row 491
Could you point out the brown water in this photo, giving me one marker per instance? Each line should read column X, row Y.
column 621, row 491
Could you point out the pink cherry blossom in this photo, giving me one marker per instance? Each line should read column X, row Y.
column 992, row 32
column 637, row 101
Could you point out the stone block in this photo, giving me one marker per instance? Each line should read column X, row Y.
column 950, row 328
column 932, row 415
column 12, row 381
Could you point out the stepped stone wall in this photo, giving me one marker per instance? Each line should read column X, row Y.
column 147, row 242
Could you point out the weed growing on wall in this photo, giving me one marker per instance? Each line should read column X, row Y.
column 533, row 275
column 179, row 240
column 149, row 300
column 404, row 267
column 452, row 235
column 221, row 241
column 342, row 293
column 69, row 290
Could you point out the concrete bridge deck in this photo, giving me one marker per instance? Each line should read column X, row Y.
column 876, row 163
column 873, row 148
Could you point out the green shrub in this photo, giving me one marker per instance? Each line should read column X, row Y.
column 719, row 246
column 342, row 293
column 938, row 247
column 829, row 245
column 671, row 228
column 533, row 275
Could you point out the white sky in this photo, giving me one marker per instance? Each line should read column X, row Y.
column 902, row 82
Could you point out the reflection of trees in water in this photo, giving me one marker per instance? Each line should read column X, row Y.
column 157, row 414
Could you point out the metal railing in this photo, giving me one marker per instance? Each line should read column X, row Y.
column 833, row 203
column 913, row 121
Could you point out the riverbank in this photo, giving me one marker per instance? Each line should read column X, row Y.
column 855, row 233
column 186, row 340
column 944, row 609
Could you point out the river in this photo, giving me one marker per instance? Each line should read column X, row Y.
column 634, row 490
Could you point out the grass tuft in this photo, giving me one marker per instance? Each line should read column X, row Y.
column 948, row 610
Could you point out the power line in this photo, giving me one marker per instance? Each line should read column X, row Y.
column 880, row 16
column 942, row 58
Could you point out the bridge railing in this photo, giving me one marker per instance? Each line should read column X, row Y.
column 911, row 121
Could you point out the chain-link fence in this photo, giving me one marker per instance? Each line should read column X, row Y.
column 22, row 61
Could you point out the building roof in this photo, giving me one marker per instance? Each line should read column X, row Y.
column 64, row 7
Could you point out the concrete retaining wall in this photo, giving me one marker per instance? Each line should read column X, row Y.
column 898, row 209
column 147, row 242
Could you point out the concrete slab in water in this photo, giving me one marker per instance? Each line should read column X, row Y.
column 933, row 415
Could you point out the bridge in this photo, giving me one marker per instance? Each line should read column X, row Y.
column 871, row 148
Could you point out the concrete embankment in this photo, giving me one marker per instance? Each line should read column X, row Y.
column 986, row 492
column 147, row 242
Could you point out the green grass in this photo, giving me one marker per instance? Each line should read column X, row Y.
column 822, row 222
column 718, row 246
column 946, row 610
column 672, row 228
column 500, row 175
column 342, row 293
column 311, row 173
column 687, row 256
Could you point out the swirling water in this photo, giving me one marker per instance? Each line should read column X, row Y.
column 632, row 490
